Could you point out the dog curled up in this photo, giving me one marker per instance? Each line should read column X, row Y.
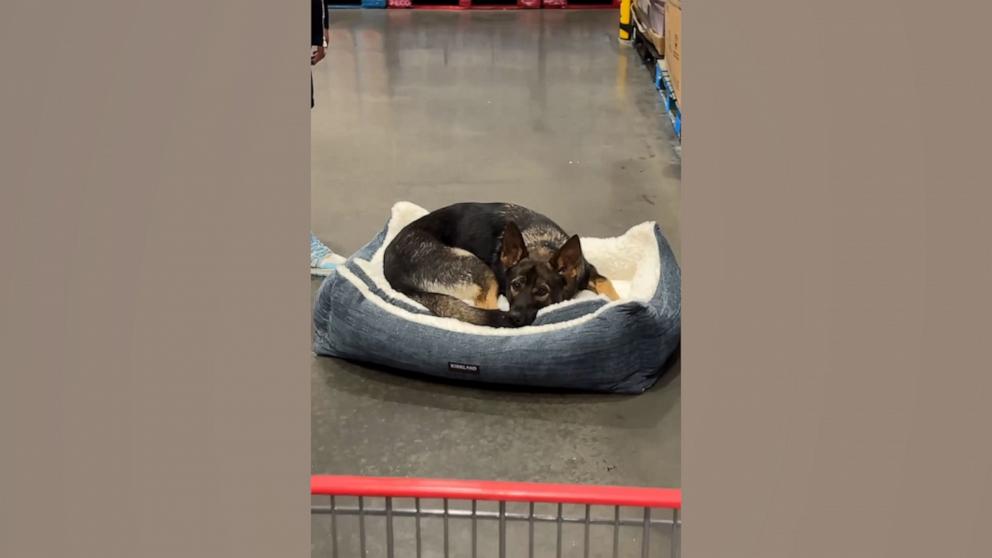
column 479, row 251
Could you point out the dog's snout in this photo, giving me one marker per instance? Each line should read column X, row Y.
column 522, row 317
column 522, row 302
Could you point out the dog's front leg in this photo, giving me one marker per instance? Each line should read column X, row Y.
column 601, row 285
column 488, row 297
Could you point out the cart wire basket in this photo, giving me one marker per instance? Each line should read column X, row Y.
column 354, row 516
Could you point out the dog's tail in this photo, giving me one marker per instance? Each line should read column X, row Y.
column 447, row 306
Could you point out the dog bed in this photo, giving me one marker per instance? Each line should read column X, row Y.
column 588, row 343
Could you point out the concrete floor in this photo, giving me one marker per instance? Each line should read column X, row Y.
column 541, row 108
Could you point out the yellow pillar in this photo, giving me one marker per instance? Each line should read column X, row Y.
column 626, row 23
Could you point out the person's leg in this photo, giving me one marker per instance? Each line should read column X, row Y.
column 322, row 259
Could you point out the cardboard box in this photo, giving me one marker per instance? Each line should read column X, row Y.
column 650, row 15
column 642, row 7
column 673, row 47
column 656, row 17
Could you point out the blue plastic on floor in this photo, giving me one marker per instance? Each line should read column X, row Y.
column 664, row 85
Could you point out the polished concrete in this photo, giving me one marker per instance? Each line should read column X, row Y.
column 541, row 108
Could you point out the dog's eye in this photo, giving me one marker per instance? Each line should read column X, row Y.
column 541, row 292
column 516, row 285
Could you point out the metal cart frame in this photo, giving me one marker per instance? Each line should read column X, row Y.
column 588, row 497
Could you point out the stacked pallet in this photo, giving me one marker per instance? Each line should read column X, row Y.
column 655, row 32
column 673, row 46
column 650, row 20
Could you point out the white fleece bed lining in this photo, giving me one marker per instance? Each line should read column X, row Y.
column 631, row 261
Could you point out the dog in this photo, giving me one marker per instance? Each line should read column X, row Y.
column 479, row 251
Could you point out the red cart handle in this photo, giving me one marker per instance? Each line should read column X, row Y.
column 380, row 487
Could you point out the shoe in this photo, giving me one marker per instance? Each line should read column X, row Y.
column 323, row 260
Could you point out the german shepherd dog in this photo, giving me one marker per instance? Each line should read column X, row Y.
column 478, row 251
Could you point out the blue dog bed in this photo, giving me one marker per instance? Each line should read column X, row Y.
column 588, row 343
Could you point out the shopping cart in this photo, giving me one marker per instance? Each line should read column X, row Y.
column 397, row 517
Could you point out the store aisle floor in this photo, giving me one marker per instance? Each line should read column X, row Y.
column 541, row 108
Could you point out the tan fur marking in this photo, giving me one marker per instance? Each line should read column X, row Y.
column 603, row 286
column 461, row 291
column 489, row 297
column 461, row 253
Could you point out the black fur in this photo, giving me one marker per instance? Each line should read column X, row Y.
column 531, row 260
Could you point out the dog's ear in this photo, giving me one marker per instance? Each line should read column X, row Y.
column 568, row 261
column 513, row 248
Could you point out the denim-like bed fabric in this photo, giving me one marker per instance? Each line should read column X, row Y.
column 621, row 350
